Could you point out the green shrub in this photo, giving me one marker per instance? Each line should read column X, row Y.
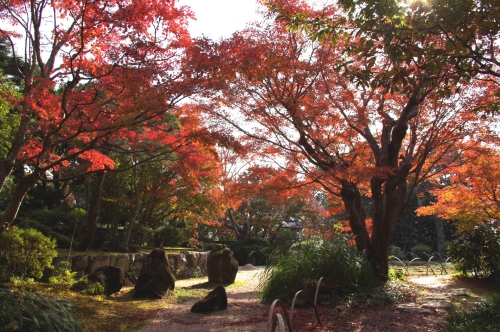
column 484, row 316
column 341, row 263
column 62, row 241
column 26, row 252
column 63, row 276
column 422, row 251
column 476, row 252
column 398, row 274
column 86, row 287
column 284, row 240
column 170, row 236
column 395, row 251
column 51, row 218
column 24, row 311
column 253, row 247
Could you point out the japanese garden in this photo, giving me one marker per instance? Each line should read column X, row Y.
column 332, row 166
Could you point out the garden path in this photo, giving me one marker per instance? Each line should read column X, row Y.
column 427, row 312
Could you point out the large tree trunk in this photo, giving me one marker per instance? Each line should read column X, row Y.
column 242, row 232
column 16, row 199
column 94, row 209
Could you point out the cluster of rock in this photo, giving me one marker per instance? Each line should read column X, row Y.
column 184, row 265
column 154, row 275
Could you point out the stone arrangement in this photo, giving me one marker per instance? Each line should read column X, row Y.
column 184, row 265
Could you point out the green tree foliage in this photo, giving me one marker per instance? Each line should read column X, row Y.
column 422, row 251
column 28, row 312
column 172, row 235
column 413, row 35
column 9, row 120
column 477, row 252
column 52, row 232
column 250, row 250
column 284, row 240
column 26, row 252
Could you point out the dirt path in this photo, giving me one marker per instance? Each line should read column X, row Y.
column 428, row 312
column 244, row 312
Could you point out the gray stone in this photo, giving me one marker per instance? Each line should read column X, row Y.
column 79, row 262
column 192, row 260
column 171, row 261
column 139, row 257
column 180, row 264
column 96, row 262
column 112, row 259
column 138, row 267
column 131, row 258
column 123, row 262
column 202, row 262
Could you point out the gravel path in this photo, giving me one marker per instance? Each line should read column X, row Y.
column 244, row 312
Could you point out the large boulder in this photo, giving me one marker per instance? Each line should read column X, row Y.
column 215, row 300
column 221, row 265
column 156, row 279
column 110, row 276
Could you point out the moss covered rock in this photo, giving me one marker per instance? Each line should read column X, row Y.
column 156, row 279
column 221, row 265
column 215, row 300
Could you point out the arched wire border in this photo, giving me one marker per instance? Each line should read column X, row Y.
column 275, row 320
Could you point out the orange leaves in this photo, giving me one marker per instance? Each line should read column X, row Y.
column 470, row 192
column 97, row 160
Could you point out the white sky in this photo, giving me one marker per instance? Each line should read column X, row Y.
column 220, row 18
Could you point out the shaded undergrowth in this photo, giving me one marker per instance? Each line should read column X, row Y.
column 299, row 268
column 481, row 317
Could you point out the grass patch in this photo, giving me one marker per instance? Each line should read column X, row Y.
column 482, row 317
column 121, row 311
column 304, row 263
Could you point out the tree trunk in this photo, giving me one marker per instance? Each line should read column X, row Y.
column 137, row 204
column 94, row 209
column 440, row 238
column 16, row 199
column 9, row 162
column 114, row 223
